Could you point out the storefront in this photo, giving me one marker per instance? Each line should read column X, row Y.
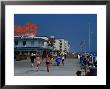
column 24, row 46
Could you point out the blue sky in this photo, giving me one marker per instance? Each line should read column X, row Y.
column 71, row 27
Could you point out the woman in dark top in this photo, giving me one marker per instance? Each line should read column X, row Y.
column 48, row 62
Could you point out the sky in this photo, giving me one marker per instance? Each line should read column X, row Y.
column 71, row 27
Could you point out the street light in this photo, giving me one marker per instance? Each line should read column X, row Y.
column 82, row 46
column 89, row 38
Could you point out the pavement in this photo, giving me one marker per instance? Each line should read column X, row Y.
column 24, row 68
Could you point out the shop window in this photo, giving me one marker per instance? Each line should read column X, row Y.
column 16, row 43
column 32, row 43
column 24, row 43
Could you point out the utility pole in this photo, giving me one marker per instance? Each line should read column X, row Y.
column 84, row 46
column 89, row 38
column 81, row 46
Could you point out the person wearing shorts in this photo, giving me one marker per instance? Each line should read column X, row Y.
column 37, row 62
column 47, row 62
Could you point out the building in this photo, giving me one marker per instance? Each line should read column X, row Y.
column 24, row 46
column 67, row 46
column 61, row 45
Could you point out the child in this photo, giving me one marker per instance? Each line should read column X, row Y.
column 37, row 61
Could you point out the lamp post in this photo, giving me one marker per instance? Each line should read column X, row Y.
column 82, row 46
column 89, row 38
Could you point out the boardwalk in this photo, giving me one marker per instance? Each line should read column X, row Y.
column 24, row 68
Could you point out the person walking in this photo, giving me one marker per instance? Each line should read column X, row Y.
column 65, row 55
column 32, row 59
column 51, row 57
column 48, row 62
column 37, row 62
column 63, row 58
column 58, row 60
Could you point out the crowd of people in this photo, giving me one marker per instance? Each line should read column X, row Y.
column 88, row 63
column 49, row 58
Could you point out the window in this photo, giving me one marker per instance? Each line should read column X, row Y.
column 60, row 40
column 60, row 43
column 32, row 43
column 16, row 43
column 24, row 43
column 60, row 46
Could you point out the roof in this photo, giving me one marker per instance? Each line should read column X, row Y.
column 29, row 37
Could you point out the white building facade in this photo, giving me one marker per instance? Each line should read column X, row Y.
column 61, row 45
column 67, row 46
column 30, row 42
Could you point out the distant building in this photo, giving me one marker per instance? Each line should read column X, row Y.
column 67, row 46
column 61, row 45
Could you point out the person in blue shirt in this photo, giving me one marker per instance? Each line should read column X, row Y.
column 58, row 60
